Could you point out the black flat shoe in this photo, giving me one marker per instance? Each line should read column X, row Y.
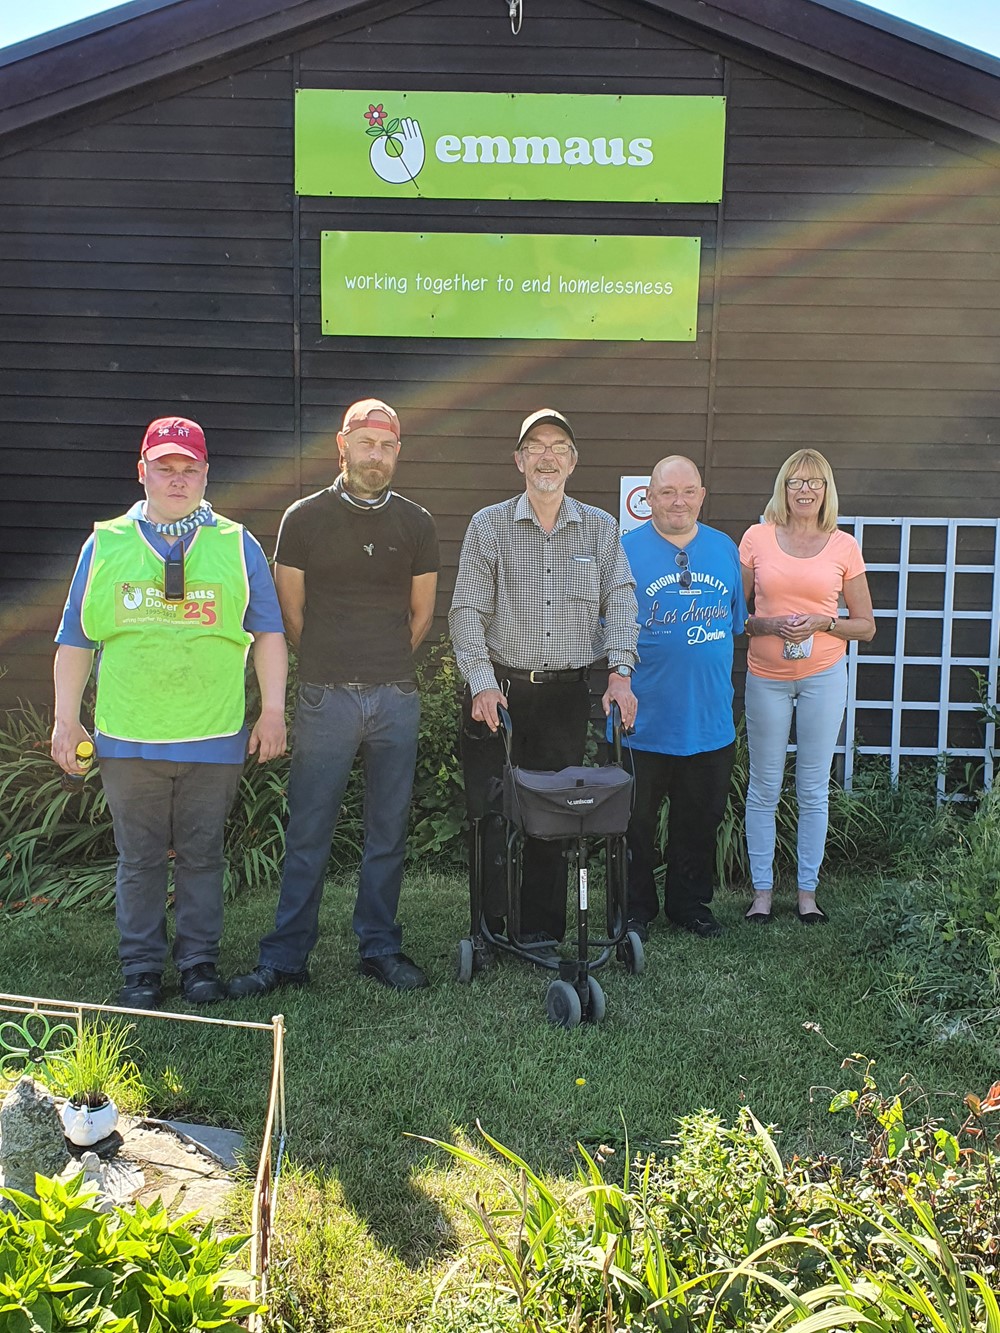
column 816, row 918
column 636, row 927
column 757, row 918
column 262, row 980
column 394, row 970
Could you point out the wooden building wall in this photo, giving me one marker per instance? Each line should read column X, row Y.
column 157, row 260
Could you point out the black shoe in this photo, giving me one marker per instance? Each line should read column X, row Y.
column 636, row 927
column 814, row 918
column 394, row 970
column 704, row 925
column 201, row 984
column 262, row 980
column 142, row 990
column 542, row 946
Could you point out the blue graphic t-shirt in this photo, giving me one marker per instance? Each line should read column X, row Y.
column 684, row 679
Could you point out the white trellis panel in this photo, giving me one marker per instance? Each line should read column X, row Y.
column 890, row 643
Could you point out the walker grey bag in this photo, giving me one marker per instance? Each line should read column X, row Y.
column 572, row 803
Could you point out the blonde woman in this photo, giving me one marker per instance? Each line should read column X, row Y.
column 798, row 568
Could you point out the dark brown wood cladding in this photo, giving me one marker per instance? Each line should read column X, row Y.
column 150, row 263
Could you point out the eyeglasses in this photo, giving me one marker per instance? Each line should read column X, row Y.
column 796, row 483
column 684, row 565
column 536, row 449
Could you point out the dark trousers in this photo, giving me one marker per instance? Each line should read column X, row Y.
column 550, row 731
column 698, row 787
column 156, row 805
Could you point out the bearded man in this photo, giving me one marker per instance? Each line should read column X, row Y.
column 356, row 572
column 543, row 592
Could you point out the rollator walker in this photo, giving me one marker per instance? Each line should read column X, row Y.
column 578, row 805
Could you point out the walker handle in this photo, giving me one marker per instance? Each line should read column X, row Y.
column 616, row 733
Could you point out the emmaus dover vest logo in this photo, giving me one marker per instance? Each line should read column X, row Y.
column 509, row 146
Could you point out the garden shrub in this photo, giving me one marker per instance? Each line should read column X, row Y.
column 65, row 1265
column 722, row 1233
column 939, row 933
column 57, row 846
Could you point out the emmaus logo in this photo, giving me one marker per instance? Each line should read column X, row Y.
column 398, row 152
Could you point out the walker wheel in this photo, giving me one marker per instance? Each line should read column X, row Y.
column 597, row 1005
column 635, row 955
column 562, row 1005
column 464, row 961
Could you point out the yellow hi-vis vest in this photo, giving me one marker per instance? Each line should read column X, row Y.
column 169, row 671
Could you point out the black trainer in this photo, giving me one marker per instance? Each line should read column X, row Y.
column 202, row 984
column 262, row 980
column 142, row 990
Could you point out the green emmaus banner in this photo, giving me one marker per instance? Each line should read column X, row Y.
column 461, row 285
column 509, row 146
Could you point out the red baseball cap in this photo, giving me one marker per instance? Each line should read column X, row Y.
column 174, row 435
column 370, row 412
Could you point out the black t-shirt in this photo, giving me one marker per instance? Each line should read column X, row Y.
column 359, row 564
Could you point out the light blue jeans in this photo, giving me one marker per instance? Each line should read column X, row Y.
column 819, row 703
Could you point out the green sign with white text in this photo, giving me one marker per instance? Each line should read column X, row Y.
column 459, row 285
column 509, row 146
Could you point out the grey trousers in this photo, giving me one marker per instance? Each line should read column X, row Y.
column 157, row 806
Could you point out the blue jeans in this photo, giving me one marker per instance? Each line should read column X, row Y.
column 819, row 702
column 157, row 805
column 332, row 722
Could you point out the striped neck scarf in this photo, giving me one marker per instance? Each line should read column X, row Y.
column 182, row 526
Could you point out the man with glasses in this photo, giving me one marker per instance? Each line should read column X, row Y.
column 543, row 591
column 690, row 595
column 356, row 572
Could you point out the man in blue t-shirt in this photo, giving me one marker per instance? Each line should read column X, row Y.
column 691, row 603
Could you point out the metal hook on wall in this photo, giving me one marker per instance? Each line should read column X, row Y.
column 516, row 10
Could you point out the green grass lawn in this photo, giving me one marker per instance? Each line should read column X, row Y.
column 368, row 1217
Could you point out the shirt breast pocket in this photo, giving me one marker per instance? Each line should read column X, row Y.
column 581, row 581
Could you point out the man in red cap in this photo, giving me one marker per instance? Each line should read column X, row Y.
column 356, row 571
column 172, row 596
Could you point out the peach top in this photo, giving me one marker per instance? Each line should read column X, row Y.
column 784, row 584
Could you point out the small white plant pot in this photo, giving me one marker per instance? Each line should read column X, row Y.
column 85, row 1125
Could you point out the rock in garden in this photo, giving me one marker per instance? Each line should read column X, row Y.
column 31, row 1136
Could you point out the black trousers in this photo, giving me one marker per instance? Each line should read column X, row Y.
column 550, row 731
column 698, row 787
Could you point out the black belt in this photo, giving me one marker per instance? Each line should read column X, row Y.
column 542, row 677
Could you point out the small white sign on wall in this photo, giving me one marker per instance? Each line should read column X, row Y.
column 632, row 507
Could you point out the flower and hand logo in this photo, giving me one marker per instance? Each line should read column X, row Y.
column 397, row 150
column 131, row 596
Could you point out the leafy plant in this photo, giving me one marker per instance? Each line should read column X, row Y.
column 56, row 846
column 96, row 1067
column 437, row 813
column 65, row 1265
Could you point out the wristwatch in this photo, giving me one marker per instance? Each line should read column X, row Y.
column 622, row 670
column 832, row 625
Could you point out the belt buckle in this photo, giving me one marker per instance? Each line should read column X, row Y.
column 535, row 677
